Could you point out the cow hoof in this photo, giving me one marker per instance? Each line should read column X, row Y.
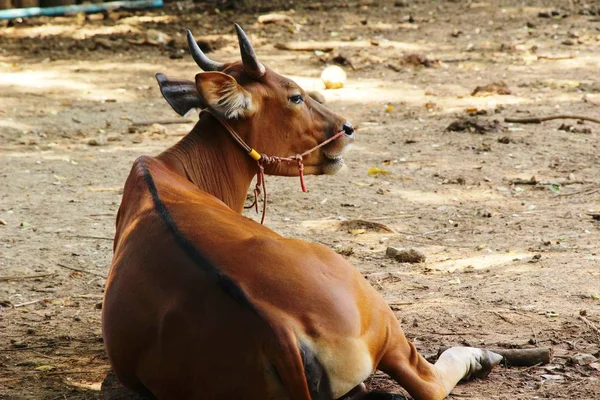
column 112, row 389
column 481, row 363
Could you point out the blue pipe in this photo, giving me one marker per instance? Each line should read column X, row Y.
column 79, row 8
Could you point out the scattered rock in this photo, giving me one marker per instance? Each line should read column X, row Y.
column 491, row 89
column 536, row 258
column 104, row 43
column 405, row 255
column 157, row 129
column 29, row 141
column 474, row 125
column 582, row 359
column 573, row 129
column 483, row 148
column 114, row 138
column 484, row 213
column 3, row 222
column 417, row 60
column 504, row 140
column 342, row 60
column 98, row 141
column 333, row 77
column 343, row 250
column 476, row 111
column 383, row 277
column 274, row 19
column 157, row 38
column 550, row 14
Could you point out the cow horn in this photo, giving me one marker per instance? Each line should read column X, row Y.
column 251, row 65
column 205, row 63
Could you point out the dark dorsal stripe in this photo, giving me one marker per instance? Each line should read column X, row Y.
column 316, row 376
column 228, row 285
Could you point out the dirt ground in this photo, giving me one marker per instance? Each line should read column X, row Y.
column 506, row 214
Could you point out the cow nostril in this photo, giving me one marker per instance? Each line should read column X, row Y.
column 348, row 129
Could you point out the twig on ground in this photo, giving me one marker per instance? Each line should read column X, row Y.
column 306, row 46
column 42, row 354
column 502, row 317
column 584, row 192
column 590, row 324
column 533, row 181
column 456, row 60
column 27, row 303
column 29, row 347
column 81, row 270
column 398, row 216
column 459, row 333
column 433, row 242
column 87, row 296
column 23, row 277
column 89, row 237
column 88, row 371
column 555, row 58
column 444, row 230
column 163, row 122
column 539, row 120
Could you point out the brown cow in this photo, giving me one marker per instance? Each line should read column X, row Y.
column 204, row 303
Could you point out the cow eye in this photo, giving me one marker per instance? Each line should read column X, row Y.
column 297, row 99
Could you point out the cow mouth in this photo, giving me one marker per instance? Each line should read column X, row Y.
column 333, row 163
column 333, row 157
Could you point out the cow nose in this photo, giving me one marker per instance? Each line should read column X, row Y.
column 348, row 129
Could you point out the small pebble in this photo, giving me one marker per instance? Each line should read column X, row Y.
column 405, row 255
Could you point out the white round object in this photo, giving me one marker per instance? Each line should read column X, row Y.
column 333, row 77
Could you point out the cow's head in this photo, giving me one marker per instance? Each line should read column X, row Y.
column 270, row 112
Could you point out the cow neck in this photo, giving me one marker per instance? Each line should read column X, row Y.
column 213, row 162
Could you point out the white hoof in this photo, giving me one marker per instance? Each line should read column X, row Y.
column 481, row 363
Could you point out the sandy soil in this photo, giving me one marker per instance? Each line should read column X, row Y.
column 510, row 262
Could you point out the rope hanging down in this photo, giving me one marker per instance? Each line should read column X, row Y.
column 263, row 159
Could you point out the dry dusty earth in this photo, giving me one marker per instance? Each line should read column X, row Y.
column 510, row 262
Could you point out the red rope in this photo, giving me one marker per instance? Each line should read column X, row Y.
column 265, row 159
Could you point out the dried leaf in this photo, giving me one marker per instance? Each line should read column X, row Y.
column 377, row 171
column 44, row 367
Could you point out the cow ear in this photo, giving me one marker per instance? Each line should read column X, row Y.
column 223, row 94
column 181, row 95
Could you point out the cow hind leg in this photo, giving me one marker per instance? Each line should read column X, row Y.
column 425, row 381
